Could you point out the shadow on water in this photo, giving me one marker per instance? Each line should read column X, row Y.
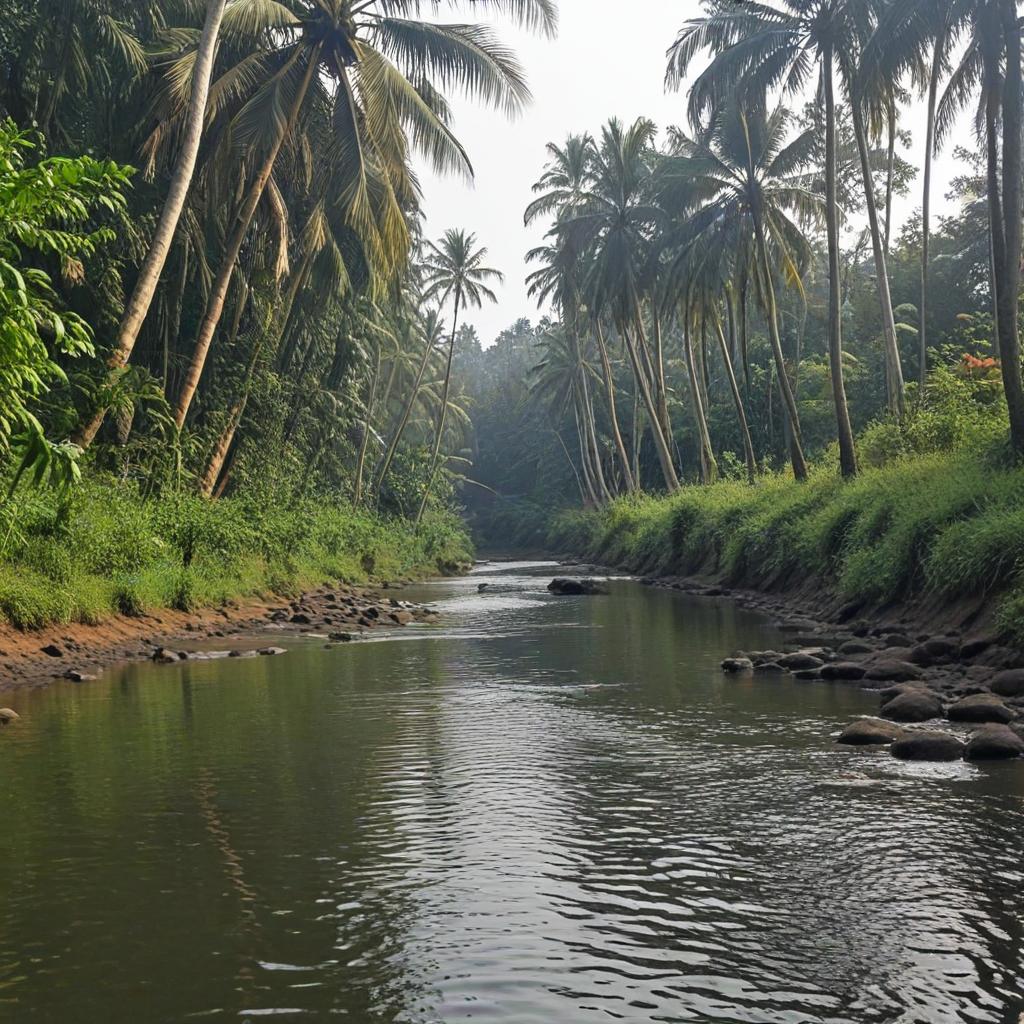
column 539, row 810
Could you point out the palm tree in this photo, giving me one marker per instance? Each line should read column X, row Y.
column 758, row 48
column 177, row 193
column 743, row 175
column 377, row 70
column 453, row 270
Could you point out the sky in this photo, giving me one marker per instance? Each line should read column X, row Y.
column 600, row 65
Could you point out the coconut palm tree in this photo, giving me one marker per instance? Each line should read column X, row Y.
column 453, row 269
column 758, row 48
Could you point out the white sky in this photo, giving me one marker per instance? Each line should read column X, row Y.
column 608, row 60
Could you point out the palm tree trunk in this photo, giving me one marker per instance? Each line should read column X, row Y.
column 893, row 370
column 847, row 449
column 588, row 475
column 708, row 463
column 1012, row 211
column 737, row 398
column 890, row 170
column 613, row 417
column 403, row 422
column 218, row 293
column 636, row 438
column 572, row 466
column 371, row 404
column 926, row 219
column 181, row 181
column 659, row 374
column 443, row 411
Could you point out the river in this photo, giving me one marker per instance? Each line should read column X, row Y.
column 537, row 810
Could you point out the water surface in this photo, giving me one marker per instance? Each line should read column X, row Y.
column 539, row 810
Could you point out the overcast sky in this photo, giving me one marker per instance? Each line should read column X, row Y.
column 598, row 67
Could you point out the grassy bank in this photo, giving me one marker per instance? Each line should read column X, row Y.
column 947, row 525
column 106, row 550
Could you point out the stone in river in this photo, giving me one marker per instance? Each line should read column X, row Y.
column 1009, row 683
column 800, row 660
column 913, row 706
column 566, row 587
column 927, row 745
column 994, row 742
column 980, row 707
column 7, row 716
column 869, row 732
column 271, row 651
column 935, row 651
column 891, row 669
column 843, row 670
column 853, row 647
column 737, row 665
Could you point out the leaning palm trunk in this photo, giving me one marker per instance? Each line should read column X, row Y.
column 708, row 463
column 737, row 398
column 661, row 389
column 613, row 417
column 590, row 428
column 847, row 449
column 442, row 412
column 403, row 421
column 219, row 291
column 371, row 407
column 588, row 473
column 181, row 180
column 926, row 220
column 661, row 442
column 893, row 369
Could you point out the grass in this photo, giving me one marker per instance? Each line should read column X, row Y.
column 106, row 550
column 946, row 524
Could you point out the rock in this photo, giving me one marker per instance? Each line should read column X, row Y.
column 340, row 638
column 897, row 640
column 401, row 618
column 481, row 587
column 52, row 650
column 936, row 651
column 78, row 677
column 301, row 619
column 806, row 675
column 734, row 665
column 843, row 670
column 913, row 706
column 897, row 671
column 800, row 660
column 867, row 732
column 927, row 745
column 7, row 716
column 279, row 616
column 980, row 707
column 799, row 626
column 1009, row 683
column 565, row 587
column 241, row 654
column 994, row 742
column 162, row 656
column 269, row 652
column 853, row 647
column 769, row 667
column 972, row 647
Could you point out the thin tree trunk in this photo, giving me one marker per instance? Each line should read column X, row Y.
column 893, row 370
column 371, row 404
column 218, row 294
column 403, row 421
column 890, row 171
column 659, row 374
column 443, row 411
column 926, row 220
column 636, row 438
column 613, row 417
column 588, row 475
column 847, row 449
column 737, row 398
column 708, row 463
column 181, row 181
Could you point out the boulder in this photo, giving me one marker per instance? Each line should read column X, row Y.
column 866, row 732
column 301, row 619
column 994, row 742
column 974, row 646
column 843, row 670
column 980, row 707
column 7, row 716
column 401, row 618
column 800, row 660
column 52, row 650
column 78, row 677
column 341, row 638
column 927, row 745
column 734, row 665
column 567, row 587
column 769, row 667
column 1009, row 683
column 242, row 654
column 269, row 652
column 806, row 675
column 854, row 647
column 936, row 651
column 913, row 706
column 162, row 656
column 896, row 671
column 897, row 640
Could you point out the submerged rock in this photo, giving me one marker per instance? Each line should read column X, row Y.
column 843, row 670
column 913, row 706
column 927, row 745
column 78, row 677
column 7, row 716
column 994, row 742
column 734, row 665
column 980, row 707
column 568, row 587
column 867, row 732
column 269, row 652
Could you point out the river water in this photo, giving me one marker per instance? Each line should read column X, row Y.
column 538, row 810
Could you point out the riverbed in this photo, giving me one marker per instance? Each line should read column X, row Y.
column 535, row 810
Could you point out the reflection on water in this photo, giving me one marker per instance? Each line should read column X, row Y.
column 538, row 810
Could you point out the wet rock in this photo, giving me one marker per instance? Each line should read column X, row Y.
column 867, row 732
column 799, row 626
column 854, row 647
column 401, row 618
column 897, row 640
column 279, row 616
column 845, row 670
column 891, row 669
column 7, row 716
column 807, row 675
column 565, row 587
column 975, row 646
column 78, row 677
column 769, row 667
column 241, row 654
column 1009, row 683
column 52, row 650
column 927, row 745
column 800, row 660
column 936, row 651
column 269, row 652
column 734, row 665
column 302, row 619
column 980, row 707
column 913, row 706
column 994, row 742
column 163, row 656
